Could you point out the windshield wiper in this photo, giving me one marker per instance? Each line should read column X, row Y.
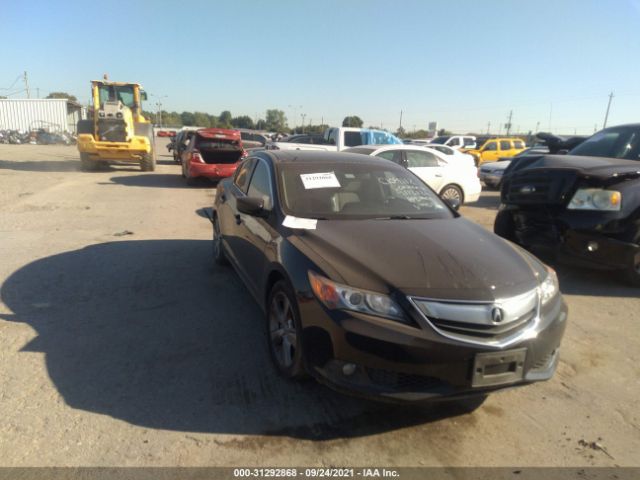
column 395, row 217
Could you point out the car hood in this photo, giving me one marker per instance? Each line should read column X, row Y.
column 502, row 165
column 599, row 167
column 439, row 258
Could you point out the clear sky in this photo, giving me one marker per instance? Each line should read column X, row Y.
column 461, row 63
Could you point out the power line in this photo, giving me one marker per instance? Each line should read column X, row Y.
column 14, row 82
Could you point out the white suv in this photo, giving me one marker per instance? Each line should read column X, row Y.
column 456, row 141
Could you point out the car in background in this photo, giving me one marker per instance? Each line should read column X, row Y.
column 583, row 206
column 496, row 148
column 453, row 181
column 180, row 142
column 491, row 173
column 457, row 155
column 212, row 153
column 372, row 285
column 253, row 138
column 456, row 141
column 306, row 138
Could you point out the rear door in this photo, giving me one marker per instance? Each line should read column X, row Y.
column 426, row 166
column 506, row 149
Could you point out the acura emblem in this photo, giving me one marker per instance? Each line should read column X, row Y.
column 497, row 315
column 528, row 189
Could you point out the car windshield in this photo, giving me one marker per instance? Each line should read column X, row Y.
column 440, row 140
column 616, row 142
column 350, row 190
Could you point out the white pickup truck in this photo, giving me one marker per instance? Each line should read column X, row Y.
column 339, row 138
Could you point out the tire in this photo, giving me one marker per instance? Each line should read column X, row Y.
column 284, row 332
column 88, row 165
column 219, row 257
column 504, row 226
column 148, row 162
column 633, row 272
column 452, row 191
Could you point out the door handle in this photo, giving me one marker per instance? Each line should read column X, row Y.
column 439, row 175
column 238, row 219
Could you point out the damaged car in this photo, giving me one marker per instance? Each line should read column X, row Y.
column 583, row 206
column 376, row 287
column 212, row 153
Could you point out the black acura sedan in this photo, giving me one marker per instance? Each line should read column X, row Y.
column 374, row 286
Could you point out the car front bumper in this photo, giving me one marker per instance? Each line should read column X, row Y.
column 380, row 359
column 590, row 239
column 490, row 179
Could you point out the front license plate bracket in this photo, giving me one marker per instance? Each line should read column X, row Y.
column 498, row 368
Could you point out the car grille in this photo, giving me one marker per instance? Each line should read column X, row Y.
column 492, row 323
column 538, row 187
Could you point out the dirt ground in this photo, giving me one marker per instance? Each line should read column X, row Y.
column 121, row 345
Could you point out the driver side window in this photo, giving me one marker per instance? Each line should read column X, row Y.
column 490, row 147
column 260, row 186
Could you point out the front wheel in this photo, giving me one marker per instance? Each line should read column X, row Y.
column 284, row 332
column 219, row 256
column 87, row 164
column 148, row 162
column 633, row 271
column 504, row 226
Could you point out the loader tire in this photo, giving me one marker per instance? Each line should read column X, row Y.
column 88, row 165
column 148, row 162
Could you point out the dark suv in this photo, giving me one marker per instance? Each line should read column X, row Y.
column 584, row 205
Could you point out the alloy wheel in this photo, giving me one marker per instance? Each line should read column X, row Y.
column 282, row 330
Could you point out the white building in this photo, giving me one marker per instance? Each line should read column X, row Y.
column 51, row 114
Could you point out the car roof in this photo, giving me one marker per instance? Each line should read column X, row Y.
column 382, row 148
column 317, row 156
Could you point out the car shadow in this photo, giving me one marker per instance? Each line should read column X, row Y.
column 150, row 333
column 160, row 180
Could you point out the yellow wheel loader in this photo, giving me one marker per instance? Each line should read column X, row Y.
column 116, row 129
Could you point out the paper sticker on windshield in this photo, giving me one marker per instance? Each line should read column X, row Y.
column 319, row 180
column 303, row 223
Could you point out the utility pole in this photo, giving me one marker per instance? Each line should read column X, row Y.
column 538, row 126
column 303, row 115
column 508, row 125
column 606, row 115
column 488, row 127
column 400, row 119
column 26, row 85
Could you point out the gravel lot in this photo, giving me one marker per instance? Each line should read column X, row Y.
column 121, row 345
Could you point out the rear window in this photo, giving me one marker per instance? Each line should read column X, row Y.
column 208, row 144
column 518, row 144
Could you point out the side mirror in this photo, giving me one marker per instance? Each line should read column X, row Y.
column 454, row 203
column 251, row 206
column 143, row 95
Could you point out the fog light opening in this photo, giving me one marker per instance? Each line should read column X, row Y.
column 592, row 246
column 349, row 369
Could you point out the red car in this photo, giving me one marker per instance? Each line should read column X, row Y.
column 212, row 153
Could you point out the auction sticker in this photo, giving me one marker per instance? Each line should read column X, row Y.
column 319, row 180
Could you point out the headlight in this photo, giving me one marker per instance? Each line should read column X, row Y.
column 341, row 297
column 596, row 199
column 549, row 287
